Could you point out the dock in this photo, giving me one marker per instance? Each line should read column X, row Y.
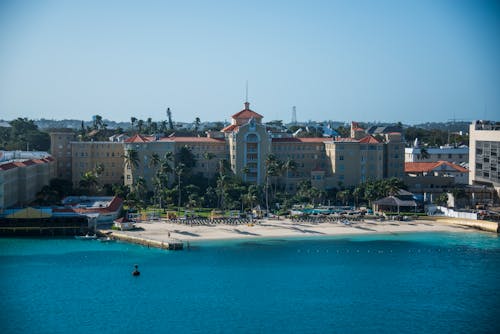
column 169, row 244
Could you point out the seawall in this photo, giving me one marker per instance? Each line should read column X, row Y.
column 482, row 225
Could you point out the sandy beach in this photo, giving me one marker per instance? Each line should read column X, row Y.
column 164, row 231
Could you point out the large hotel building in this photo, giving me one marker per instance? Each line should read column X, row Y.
column 245, row 144
column 484, row 153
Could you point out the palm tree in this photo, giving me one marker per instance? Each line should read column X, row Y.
column 197, row 124
column 155, row 160
column 391, row 186
column 140, row 188
column 288, row 165
column 245, row 171
column 424, row 153
column 132, row 121
column 272, row 169
column 89, row 181
column 170, row 122
column 97, row 122
column 344, row 196
column 208, row 156
column 140, row 125
column 131, row 159
column 179, row 169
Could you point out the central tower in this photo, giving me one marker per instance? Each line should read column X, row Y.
column 249, row 145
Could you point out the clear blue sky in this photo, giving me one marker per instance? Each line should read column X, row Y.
column 409, row 61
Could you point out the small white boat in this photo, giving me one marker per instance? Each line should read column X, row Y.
column 86, row 237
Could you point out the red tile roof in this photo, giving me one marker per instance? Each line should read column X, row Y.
column 369, row 140
column 25, row 163
column 230, row 128
column 420, row 167
column 247, row 113
column 195, row 140
column 299, row 140
column 137, row 139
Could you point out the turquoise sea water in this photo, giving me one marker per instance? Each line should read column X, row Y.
column 408, row 283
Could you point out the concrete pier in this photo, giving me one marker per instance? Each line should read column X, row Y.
column 170, row 244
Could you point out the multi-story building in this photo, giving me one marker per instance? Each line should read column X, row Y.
column 434, row 177
column 86, row 156
column 457, row 155
column 22, row 178
column 60, row 148
column 484, row 142
column 246, row 144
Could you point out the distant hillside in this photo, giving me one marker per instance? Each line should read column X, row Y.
column 76, row 124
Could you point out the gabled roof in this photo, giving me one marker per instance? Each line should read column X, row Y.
column 369, row 140
column 247, row 113
column 137, row 139
column 421, row 167
column 230, row 128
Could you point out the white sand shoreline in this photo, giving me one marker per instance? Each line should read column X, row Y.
column 165, row 232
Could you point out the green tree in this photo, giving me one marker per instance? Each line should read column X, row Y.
column 424, row 154
column 179, row 170
column 197, row 124
column 289, row 166
column 89, row 182
column 132, row 122
column 208, row 156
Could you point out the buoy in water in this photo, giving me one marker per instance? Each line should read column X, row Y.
column 136, row 272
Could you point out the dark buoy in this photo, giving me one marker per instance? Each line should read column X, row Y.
column 136, row 272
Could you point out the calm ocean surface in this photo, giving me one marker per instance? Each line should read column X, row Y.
column 408, row 283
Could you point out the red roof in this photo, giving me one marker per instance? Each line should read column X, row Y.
column 421, row 167
column 230, row 128
column 247, row 113
column 137, row 139
column 299, row 140
column 25, row 163
column 194, row 140
column 369, row 140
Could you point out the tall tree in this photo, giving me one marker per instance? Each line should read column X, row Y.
column 288, row 166
column 132, row 121
column 424, row 154
column 169, row 117
column 140, row 126
column 131, row 159
column 197, row 124
column 208, row 156
column 179, row 170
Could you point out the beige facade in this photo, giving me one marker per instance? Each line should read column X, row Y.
column 484, row 152
column 86, row 156
column 249, row 145
column 246, row 144
column 20, row 180
column 60, row 148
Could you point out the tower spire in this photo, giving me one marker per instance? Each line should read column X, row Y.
column 246, row 91
column 247, row 104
